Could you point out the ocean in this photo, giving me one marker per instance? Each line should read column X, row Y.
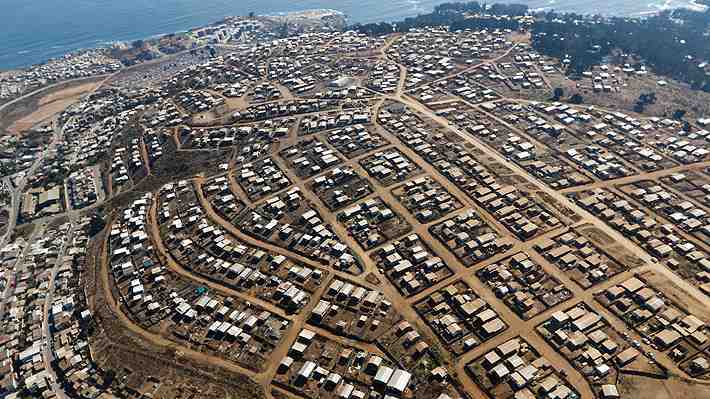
column 32, row 31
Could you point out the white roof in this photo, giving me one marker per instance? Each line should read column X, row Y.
column 399, row 381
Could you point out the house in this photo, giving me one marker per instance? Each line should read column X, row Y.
column 399, row 381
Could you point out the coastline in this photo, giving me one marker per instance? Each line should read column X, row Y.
column 108, row 44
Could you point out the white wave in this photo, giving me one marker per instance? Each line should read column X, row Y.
column 416, row 5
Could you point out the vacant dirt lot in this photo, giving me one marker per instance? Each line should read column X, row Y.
column 672, row 291
column 631, row 386
column 51, row 104
column 23, row 114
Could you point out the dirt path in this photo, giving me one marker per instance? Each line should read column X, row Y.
column 265, row 245
column 144, row 155
column 405, row 305
column 176, row 267
column 587, row 218
column 156, row 339
column 638, row 177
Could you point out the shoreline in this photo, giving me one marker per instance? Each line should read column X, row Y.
column 107, row 44
column 653, row 9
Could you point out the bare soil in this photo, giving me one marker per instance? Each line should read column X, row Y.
column 672, row 291
column 633, row 386
column 28, row 112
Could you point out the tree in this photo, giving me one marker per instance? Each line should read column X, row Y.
column 96, row 225
column 282, row 30
column 678, row 114
column 587, row 40
column 576, row 99
column 557, row 93
column 138, row 44
column 644, row 100
column 251, row 14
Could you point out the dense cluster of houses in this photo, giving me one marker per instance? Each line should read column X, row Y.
column 384, row 77
column 198, row 100
column 517, row 210
column 663, row 241
column 289, row 108
column 261, row 178
column 461, row 318
column 320, row 367
column 514, row 369
column 310, row 157
column 372, row 222
column 389, row 166
column 291, row 222
column 685, row 214
column 334, row 119
column 352, row 310
column 230, row 326
column 649, row 144
column 254, row 139
column 433, row 53
column 164, row 112
column 341, row 187
column 581, row 259
column 458, row 86
column 539, row 160
column 70, row 321
column 662, row 322
column 593, row 347
column 19, row 153
column 83, row 187
column 81, row 64
column 426, row 199
column 523, row 285
column 470, row 238
column 302, row 91
column 206, row 248
column 28, row 317
column 410, row 265
column 355, row 140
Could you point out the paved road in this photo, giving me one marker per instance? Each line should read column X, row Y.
column 48, row 347
column 7, row 181
column 58, row 135
column 10, row 288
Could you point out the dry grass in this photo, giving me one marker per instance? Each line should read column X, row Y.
column 669, row 98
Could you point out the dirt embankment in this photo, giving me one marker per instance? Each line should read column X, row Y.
column 142, row 366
